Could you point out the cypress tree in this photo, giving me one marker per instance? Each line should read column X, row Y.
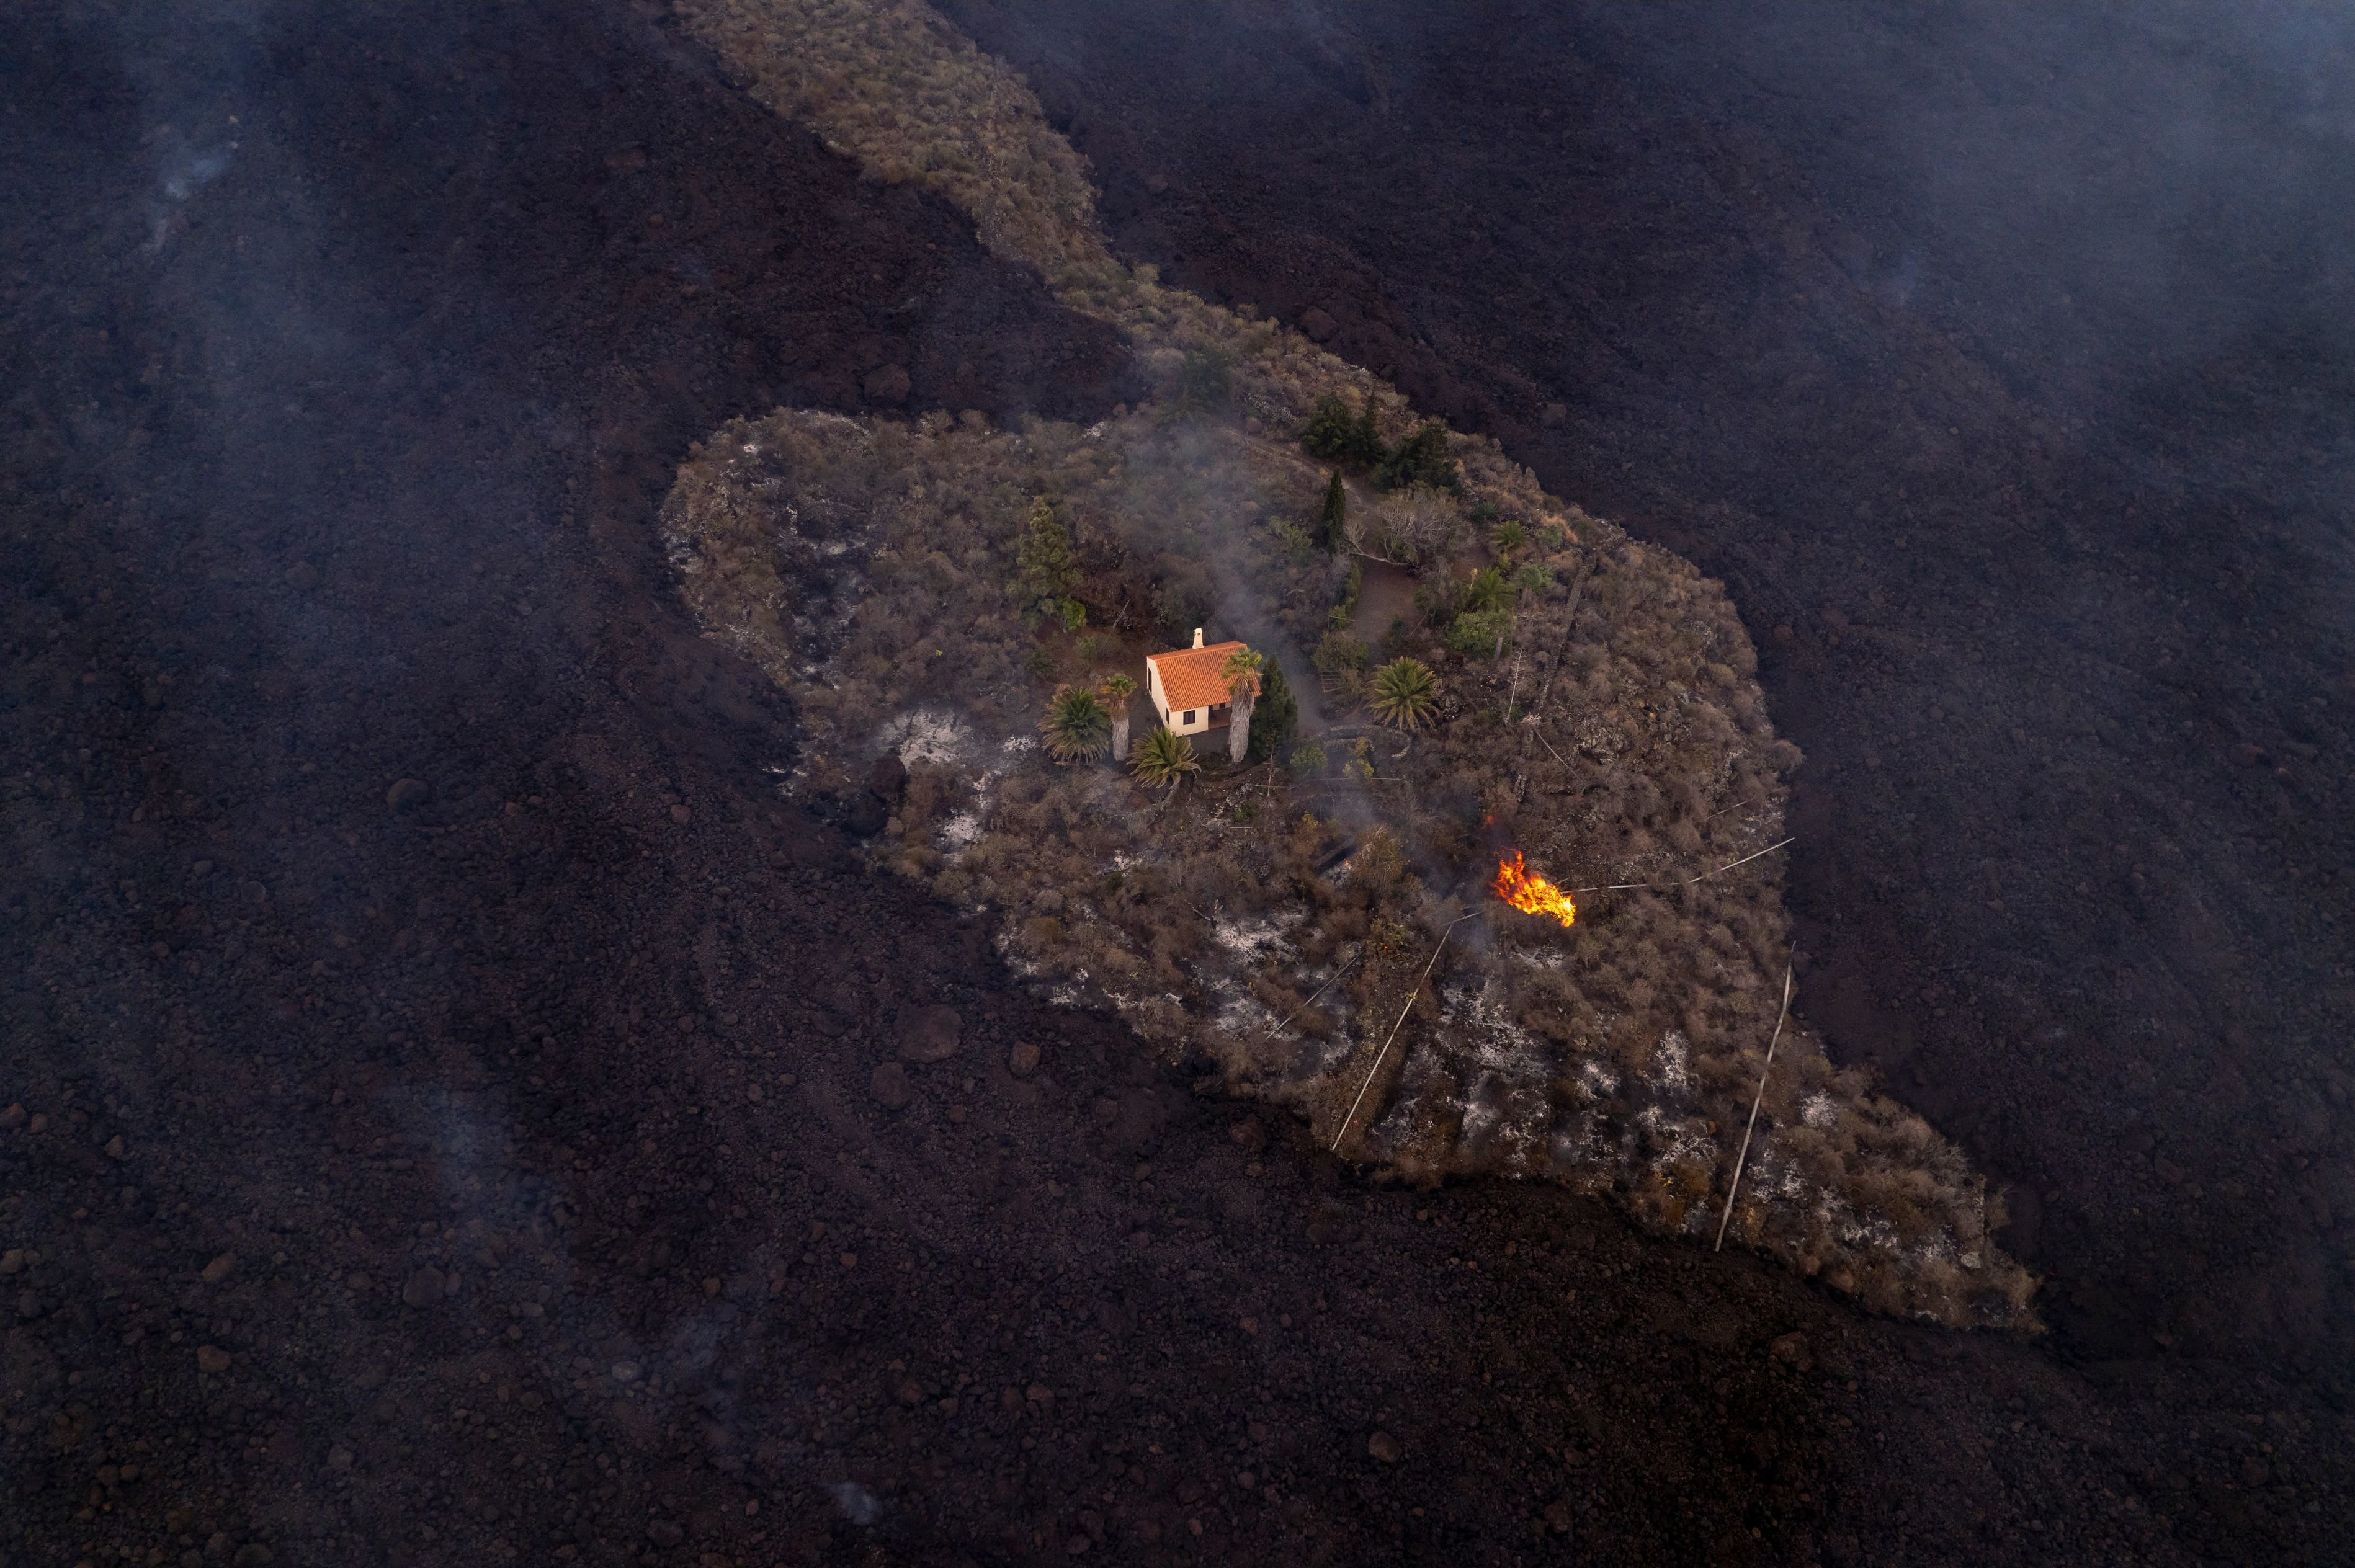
column 1333, row 522
column 1049, row 572
column 1274, row 718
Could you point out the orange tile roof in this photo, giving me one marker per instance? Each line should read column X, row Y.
column 1193, row 677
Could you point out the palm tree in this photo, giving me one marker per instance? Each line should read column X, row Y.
column 1485, row 590
column 1113, row 691
column 1165, row 758
column 1242, row 675
column 1075, row 725
column 1405, row 693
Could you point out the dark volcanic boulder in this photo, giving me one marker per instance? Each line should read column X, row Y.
column 928, row 1033
column 887, row 779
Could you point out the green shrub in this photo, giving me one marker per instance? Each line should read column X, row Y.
column 1298, row 547
column 1421, row 458
column 1345, row 608
column 1206, row 380
column 1479, row 633
column 1340, row 653
column 1331, row 431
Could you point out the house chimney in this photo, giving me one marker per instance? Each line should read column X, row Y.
column 1197, row 637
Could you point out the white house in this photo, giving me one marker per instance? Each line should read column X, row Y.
column 1189, row 685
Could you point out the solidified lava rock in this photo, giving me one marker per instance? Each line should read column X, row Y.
column 928, row 1033
column 886, row 780
column 865, row 815
column 417, row 316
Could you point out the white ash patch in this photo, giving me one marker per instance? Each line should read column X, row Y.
column 1581, row 1145
column 961, row 832
column 1024, row 966
column 1240, row 1015
column 1853, row 1228
column 1479, row 1024
column 1935, row 1247
column 936, row 736
column 1504, row 1122
column 1679, row 1139
column 1772, row 1176
column 1253, row 939
column 1595, row 1081
column 1672, row 1065
column 1817, row 1110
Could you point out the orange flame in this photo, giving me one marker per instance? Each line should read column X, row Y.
column 1527, row 891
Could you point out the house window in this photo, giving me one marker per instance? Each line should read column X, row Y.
column 1188, row 716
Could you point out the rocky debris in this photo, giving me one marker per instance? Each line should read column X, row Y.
column 212, row 1358
column 424, row 1287
column 301, row 576
column 928, row 1033
column 1385, row 1448
column 407, row 794
column 1793, row 1351
column 890, row 1085
column 219, row 1268
column 1023, row 1060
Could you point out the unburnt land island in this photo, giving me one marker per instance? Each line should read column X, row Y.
column 1447, row 668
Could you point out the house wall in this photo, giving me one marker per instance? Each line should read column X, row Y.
column 1204, row 718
